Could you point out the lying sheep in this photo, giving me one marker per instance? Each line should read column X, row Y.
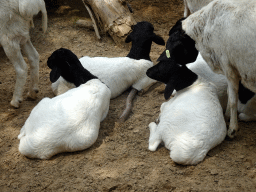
column 16, row 18
column 246, row 98
column 71, row 121
column 223, row 32
column 191, row 123
column 120, row 73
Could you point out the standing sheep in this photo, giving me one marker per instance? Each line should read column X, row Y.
column 16, row 18
column 68, row 122
column 223, row 32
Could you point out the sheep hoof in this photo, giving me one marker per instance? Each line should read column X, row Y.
column 15, row 104
column 32, row 94
column 231, row 133
column 227, row 118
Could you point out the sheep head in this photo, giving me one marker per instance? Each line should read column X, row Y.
column 180, row 47
column 65, row 63
column 174, row 75
column 142, row 37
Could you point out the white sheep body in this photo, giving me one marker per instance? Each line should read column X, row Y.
column 190, row 124
column 224, row 31
column 66, row 123
column 201, row 68
column 16, row 18
column 117, row 73
column 247, row 112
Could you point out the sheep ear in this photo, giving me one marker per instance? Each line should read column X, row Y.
column 169, row 89
column 158, row 40
column 162, row 56
column 54, row 75
column 128, row 39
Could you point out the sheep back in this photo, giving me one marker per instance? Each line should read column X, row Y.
column 191, row 123
column 66, row 123
column 117, row 73
column 224, row 31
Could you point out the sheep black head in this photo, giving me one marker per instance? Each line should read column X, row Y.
column 65, row 63
column 180, row 47
column 174, row 75
column 142, row 37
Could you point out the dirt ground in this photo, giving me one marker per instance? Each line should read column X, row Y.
column 120, row 159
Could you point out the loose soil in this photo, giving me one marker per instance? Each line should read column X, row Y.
column 120, row 159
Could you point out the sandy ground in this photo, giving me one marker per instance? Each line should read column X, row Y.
column 120, row 159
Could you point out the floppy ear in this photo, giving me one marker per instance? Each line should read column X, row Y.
column 162, row 56
column 54, row 75
column 153, row 72
column 169, row 89
column 50, row 62
column 128, row 39
column 158, row 40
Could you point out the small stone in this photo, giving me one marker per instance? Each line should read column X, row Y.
column 214, row 172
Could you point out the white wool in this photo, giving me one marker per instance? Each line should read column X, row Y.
column 225, row 40
column 191, row 6
column 224, row 32
column 190, row 124
column 16, row 18
column 247, row 111
column 118, row 74
column 66, row 123
column 201, row 68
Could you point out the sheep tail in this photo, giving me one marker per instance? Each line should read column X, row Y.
column 44, row 17
column 128, row 108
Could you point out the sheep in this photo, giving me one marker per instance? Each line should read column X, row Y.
column 201, row 68
column 68, row 122
column 191, row 6
column 122, row 72
column 247, row 99
column 16, row 18
column 223, row 32
column 192, row 122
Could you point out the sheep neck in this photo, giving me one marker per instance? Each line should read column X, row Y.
column 140, row 52
column 184, row 78
column 80, row 76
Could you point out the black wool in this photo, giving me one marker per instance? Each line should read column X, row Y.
column 244, row 94
column 180, row 46
column 142, row 37
column 174, row 75
column 65, row 63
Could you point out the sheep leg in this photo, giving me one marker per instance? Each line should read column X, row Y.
column 12, row 50
column 232, row 101
column 33, row 58
column 227, row 113
column 128, row 108
column 143, row 91
column 186, row 9
column 154, row 138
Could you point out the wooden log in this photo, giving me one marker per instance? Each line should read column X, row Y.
column 114, row 17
